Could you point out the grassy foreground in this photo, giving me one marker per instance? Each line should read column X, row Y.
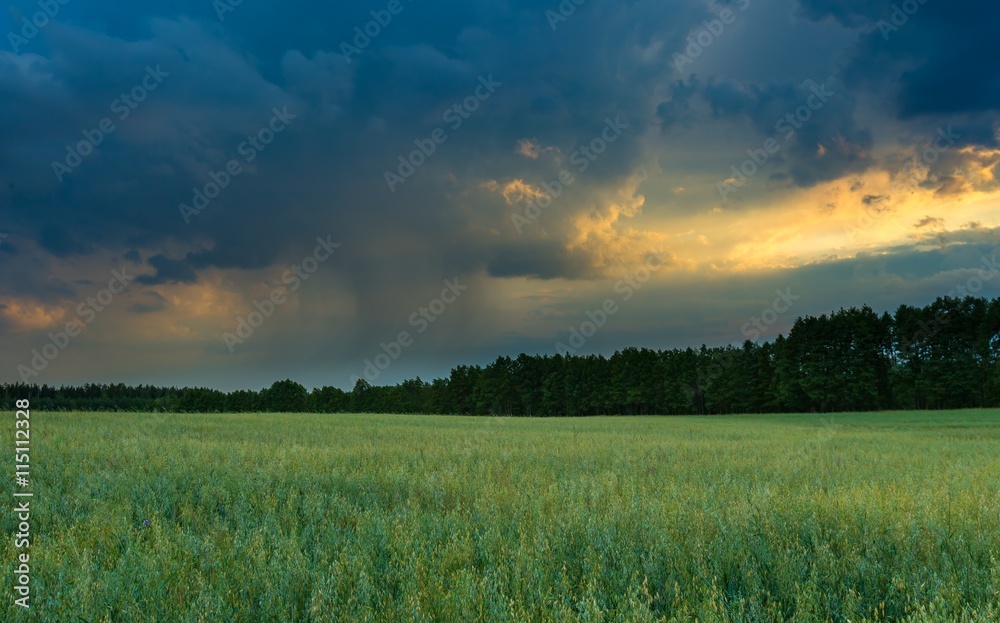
column 255, row 518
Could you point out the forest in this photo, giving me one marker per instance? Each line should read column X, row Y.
column 945, row 355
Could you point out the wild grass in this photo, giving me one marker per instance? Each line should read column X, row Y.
column 323, row 518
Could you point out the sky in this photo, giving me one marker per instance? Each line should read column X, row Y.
column 230, row 193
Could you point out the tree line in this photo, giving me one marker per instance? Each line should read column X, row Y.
column 945, row 355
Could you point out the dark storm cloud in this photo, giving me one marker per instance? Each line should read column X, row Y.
column 930, row 65
column 927, row 57
column 822, row 143
column 130, row 186
column 354, row 119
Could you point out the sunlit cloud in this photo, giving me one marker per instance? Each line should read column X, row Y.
column 24, row 315
column 531, row 148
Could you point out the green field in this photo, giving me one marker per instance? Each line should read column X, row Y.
column 253, row 518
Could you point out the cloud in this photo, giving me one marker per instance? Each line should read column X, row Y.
column 797, row 116
column 168, row 271
column 530, row 148
column 154, row 303
column 936, row 60
column 515, row 192
column 929, row 221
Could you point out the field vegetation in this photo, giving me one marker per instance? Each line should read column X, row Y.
column 253, row 518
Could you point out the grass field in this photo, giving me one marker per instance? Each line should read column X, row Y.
column 254, row 518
